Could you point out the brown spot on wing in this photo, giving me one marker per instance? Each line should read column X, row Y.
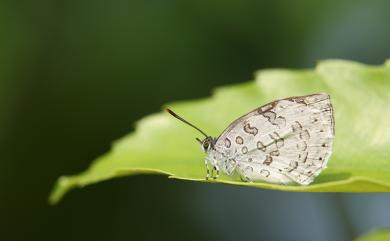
column 270, row 116
column 303, row 157
column 304, row 135
column 278, row 121
column 296, row 126
column 264, row 172
column 268, row 160
column 239, row 140
column 250, row 130
column 228, row 143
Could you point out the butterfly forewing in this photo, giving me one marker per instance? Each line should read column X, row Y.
column 283, row 141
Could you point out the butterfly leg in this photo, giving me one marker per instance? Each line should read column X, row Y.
column 216, row 169
column 206, row 163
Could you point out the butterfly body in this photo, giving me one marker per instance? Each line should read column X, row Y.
column 286, row 141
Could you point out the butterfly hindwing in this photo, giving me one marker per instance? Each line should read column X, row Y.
column 286, row 140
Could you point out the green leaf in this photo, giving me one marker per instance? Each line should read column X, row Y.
column 360, row 161
column 377, row 235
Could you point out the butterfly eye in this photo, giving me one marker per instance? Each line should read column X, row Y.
column 205, row 145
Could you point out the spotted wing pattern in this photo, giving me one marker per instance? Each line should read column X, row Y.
column 288, row 140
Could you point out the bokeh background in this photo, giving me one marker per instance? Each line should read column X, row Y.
column 76, row 75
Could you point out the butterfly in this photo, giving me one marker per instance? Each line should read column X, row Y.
column 285, row 141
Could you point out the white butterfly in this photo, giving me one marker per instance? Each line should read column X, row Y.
column 287, row 140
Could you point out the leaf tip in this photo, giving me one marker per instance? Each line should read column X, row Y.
column 61, row 187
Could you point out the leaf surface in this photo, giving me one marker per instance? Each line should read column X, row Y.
column 361, row 153
column 377, row 235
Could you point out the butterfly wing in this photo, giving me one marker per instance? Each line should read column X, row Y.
column 286, row 140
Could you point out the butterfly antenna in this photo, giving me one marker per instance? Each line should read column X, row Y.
column 183, row 120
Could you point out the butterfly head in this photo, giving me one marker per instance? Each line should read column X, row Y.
column 207, row 144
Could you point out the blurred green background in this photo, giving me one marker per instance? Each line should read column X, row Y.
column 76, row 75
